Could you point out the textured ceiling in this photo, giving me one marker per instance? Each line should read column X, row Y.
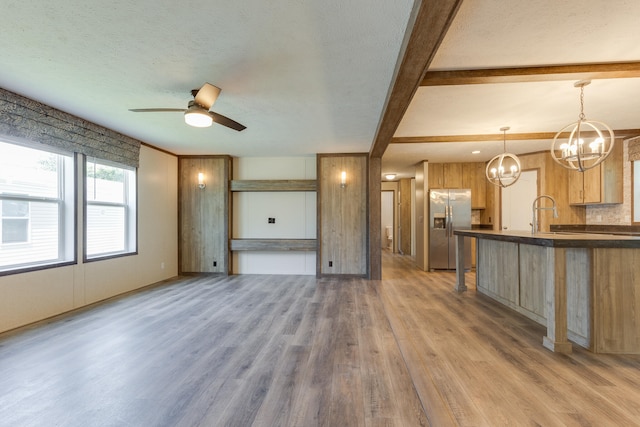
column 303, row 76
column 311, row 77
column 518, row 33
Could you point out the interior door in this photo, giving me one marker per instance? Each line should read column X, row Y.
column 517, row 200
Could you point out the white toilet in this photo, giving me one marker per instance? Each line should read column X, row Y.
column 389, row 236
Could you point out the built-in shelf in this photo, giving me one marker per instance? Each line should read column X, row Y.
column 274, row 185
column 273, row 244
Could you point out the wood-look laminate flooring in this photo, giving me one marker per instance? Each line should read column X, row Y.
column 299, row 351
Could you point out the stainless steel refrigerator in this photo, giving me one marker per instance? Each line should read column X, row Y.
column 449, row 210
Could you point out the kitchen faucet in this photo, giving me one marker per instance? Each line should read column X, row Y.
column 534, row 209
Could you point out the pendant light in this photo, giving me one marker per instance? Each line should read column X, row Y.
column 588, row 144
column 504, row 169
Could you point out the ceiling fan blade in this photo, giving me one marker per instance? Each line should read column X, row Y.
column 207, row 95
column 156, row 110
column 226, row 121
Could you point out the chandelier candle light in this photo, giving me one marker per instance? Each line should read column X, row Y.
column 504, row 169
column 588, row 144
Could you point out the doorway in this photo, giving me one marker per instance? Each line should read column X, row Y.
column 517, row 200
column 387, row 230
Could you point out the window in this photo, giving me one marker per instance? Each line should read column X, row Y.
column 110, row 216
column 15, row 221
column 36, row 207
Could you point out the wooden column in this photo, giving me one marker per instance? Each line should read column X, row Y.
column 460, row 284
column 556, row 301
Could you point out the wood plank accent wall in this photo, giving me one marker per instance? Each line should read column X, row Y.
column 374, row 215
column 204, row 214
column 274, row 185
column 405, row 216
column 273, row 244
column 342, row 215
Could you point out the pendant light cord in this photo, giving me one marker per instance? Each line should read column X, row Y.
column 581, row 116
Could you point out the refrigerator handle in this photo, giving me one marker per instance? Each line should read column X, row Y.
column 450, row 221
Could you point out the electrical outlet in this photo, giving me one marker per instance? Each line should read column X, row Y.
column 330, row 263
column 162, row 265
column 272, row 220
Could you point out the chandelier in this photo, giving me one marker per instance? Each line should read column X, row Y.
column 504, row 169
column 588, row 144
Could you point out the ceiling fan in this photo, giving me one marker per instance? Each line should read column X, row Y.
column 198, row 112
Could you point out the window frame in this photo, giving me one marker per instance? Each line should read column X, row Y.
column 66, row 202
column 130, row 208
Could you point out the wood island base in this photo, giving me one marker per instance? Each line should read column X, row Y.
column 582, row 287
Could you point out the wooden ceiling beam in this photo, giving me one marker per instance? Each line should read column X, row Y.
column 430, row 21
column 614, row 70
column 620, row 133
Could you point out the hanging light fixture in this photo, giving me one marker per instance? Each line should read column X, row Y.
column 588, row 144
column 504, row 169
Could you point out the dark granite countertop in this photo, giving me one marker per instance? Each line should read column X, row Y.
column 628, row 230
column 556, row 239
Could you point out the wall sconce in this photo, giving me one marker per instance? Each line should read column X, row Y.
column 201, row 183
column 343, row 179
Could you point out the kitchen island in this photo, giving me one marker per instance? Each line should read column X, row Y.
column 583, row 287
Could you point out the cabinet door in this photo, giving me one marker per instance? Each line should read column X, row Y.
column 591, row 185
column 584, row 187
column 602, row 184
column 473, row 178
column 576, row 194
column 435, row 175
column 452, row 175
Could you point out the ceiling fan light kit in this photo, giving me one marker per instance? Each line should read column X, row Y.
column 197, row 116
column 588, row 144
column 504, row 169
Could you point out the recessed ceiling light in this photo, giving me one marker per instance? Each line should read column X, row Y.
column 390, row 176
column 475, row 152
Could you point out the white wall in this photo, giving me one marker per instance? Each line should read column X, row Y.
column 29, row 297
column 294, row 212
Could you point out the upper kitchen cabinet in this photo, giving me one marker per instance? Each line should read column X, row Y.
column 435, row 175
column 601, row 184
column 461, row 175
column 445, row 175
column 473, row 177
column 452, row 175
